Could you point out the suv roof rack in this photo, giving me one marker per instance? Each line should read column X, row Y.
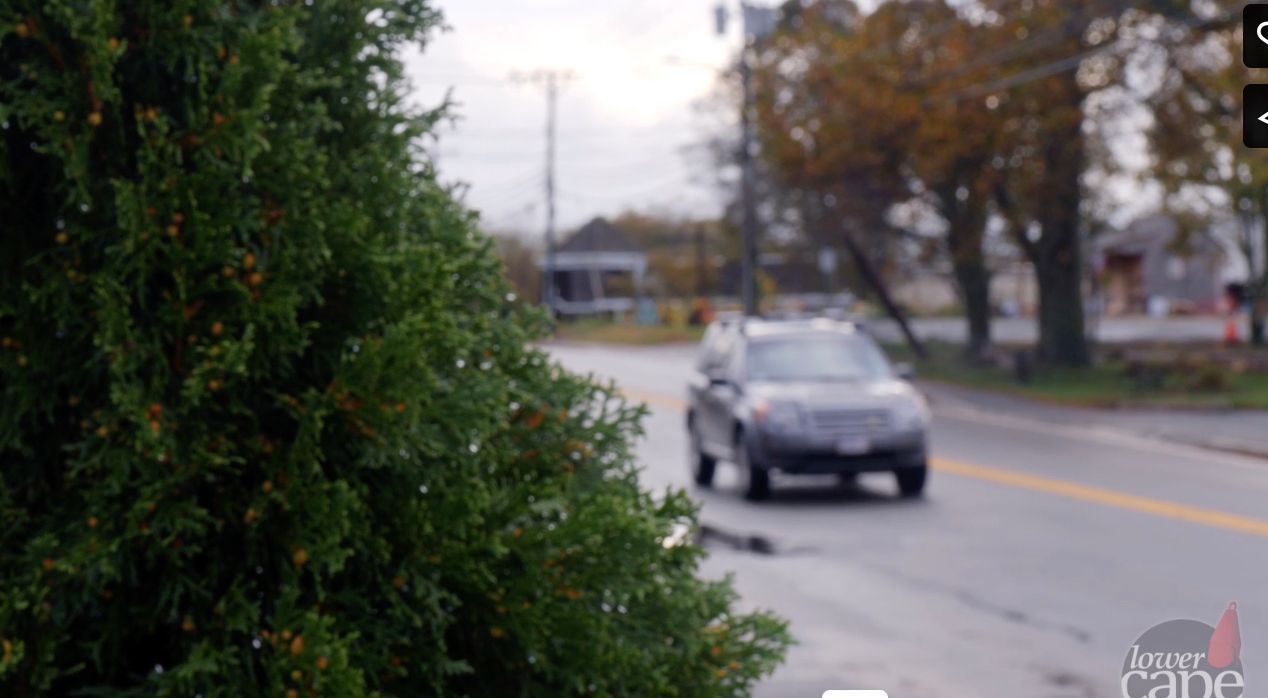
column 741, row 321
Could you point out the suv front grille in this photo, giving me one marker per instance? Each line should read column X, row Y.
column 849, row 422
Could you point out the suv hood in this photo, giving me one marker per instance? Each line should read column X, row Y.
column 876, row 393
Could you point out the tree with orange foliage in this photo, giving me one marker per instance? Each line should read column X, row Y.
column 844, row 112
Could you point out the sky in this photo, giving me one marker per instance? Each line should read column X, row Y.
column 640, row 101
column 640, row 70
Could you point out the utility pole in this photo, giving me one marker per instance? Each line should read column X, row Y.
column 748, row 203
column 551, row 79
column 702, row 288
column 757, row 23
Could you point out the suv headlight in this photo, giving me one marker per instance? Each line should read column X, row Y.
column 777, row 418
column 912, row 414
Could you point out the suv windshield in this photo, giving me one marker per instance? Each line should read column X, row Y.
column 816, row 358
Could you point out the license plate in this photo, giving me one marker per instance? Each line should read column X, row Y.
column 853, row 445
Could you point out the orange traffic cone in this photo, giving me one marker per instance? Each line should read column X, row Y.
column 1231, row 332
column 1226, row 641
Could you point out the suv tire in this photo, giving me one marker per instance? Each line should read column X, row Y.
column 911, row 481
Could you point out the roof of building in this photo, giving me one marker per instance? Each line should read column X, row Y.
column 1152, row 232
column 1142, row 231
column 599, row 236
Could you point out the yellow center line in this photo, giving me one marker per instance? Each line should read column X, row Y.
column 1104, row 497
column 1059, row 488
column 655, row 399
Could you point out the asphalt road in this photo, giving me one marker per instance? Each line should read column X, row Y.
column 1040, row 553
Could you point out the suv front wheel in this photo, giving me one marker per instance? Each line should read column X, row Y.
column 911, row 481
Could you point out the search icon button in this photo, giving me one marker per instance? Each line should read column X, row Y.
column 1255, row 35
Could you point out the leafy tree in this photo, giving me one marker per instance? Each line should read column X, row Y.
column 678, row 251
column 520, row 261
column 269, row 424
column 1196, row 142
column 1055, row 61
column 847, row 112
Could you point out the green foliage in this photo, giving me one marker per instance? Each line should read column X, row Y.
column 269, row 424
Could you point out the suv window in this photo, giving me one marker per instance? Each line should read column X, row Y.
column 818, row 357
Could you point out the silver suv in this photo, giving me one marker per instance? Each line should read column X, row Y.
column 805, row 396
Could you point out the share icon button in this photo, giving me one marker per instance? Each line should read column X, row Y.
column 1255, row 35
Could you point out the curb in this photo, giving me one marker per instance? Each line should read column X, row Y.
column 959, row 408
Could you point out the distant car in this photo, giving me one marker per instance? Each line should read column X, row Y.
column 803, row 396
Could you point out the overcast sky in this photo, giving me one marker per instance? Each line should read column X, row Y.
column 640, row 71
column 623, row 119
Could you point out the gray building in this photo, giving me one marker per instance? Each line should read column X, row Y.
column 1150, row 267
column 598, row 270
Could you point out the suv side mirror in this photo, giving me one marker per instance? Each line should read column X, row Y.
column 718, row 378
column 904, row 371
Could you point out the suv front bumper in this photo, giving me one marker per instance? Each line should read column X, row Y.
column 809, row 455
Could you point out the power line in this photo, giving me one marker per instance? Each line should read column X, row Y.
column 662, row 19
column 656, row 132
column 1010, row 52
column 507, row 187
column 679, row 182
column 588, row 158
column 465, row 78
column 1064, row 64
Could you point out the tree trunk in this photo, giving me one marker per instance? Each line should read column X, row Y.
column 1056, row 255
column 974, row 282
column 966, row 221
column 1062, row 340
column 874, row 281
